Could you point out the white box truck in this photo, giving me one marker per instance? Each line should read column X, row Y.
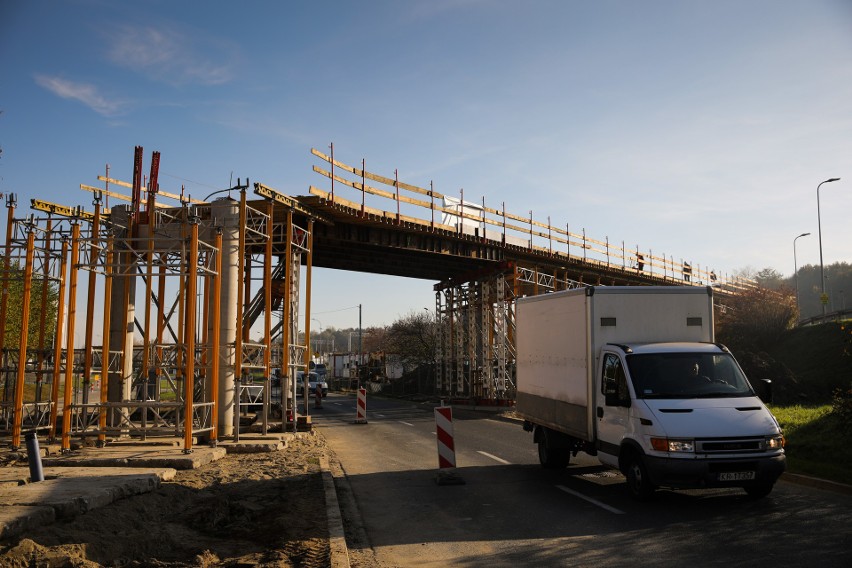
column 630, row 374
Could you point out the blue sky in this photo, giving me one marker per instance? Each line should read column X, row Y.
column 695, row 129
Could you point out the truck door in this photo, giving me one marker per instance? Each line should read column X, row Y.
column 613, row 409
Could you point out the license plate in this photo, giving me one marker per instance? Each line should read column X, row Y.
column 736, row 476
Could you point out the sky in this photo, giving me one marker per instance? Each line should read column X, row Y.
column 700, row 130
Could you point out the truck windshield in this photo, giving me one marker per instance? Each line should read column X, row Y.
column 687, row 375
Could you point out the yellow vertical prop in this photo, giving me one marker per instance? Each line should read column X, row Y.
column 22, row 344
column 189, row 341
column 108, row 276
column 57, row 349
column 94, row 251
column 285, row 328
column 4, row 300
column 216, row 335
column 69, row 348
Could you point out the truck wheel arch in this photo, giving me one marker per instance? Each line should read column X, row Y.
column 628, row 449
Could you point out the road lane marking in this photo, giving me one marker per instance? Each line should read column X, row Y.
column 493, row 457
column 379, row 415
column 590, row 500
column 406, row 423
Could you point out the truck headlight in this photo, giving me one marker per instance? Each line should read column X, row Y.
column 671, row 445
column 775, row 442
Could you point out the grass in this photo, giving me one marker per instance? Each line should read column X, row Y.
column 816, row 443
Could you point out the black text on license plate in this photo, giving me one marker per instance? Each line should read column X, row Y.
column 736, row 476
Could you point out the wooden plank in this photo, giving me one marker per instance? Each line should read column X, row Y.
column 422, row 191
column 115, row 195
column 106, row 192
column 178, row 197
column 159, row 192
column 375, row 212
column 372, row 190
column 116, row 182
column 613, row 253
column 376, row 177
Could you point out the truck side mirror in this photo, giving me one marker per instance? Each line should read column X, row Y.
column 764, row 390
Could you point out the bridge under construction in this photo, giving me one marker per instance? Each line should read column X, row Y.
column 167, row 292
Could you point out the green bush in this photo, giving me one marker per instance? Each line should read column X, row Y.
column 841, row 407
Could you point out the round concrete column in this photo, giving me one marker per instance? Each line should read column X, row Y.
column 226, row 213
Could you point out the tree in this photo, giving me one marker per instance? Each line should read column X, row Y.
column 413, row 339
column 14, row 308
column 770, row 278
column 755, row 319
column 838, row 288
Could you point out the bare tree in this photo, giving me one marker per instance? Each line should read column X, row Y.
column 757, row 318
column 413, row 338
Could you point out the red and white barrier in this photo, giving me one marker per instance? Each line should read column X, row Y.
column 361, row 408
column 444, row 428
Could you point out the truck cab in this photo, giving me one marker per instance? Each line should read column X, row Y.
column 683, row 415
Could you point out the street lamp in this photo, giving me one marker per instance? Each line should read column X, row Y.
column 796, row 269
column 822, row 298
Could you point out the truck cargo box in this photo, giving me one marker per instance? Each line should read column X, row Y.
column 559, row 336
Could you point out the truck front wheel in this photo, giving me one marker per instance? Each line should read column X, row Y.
column 548, row 456
column 638, row 483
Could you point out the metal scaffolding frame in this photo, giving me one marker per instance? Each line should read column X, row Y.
column 167, row 382
column 476, row 331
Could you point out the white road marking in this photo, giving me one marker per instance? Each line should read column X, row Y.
column 406, row 423
column 379, row 415
column 590, row 500
column 493, row 457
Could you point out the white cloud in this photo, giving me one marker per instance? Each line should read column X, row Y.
column 82, row 92
column 169, row 56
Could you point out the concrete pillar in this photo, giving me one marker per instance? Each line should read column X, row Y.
column 226, row 213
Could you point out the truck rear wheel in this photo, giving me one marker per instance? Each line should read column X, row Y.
column 548, row 456
column 638, row 483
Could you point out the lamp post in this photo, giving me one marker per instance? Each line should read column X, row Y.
column 796, row 270
column 823, row 298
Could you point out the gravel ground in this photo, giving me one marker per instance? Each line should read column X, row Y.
column 265, row 509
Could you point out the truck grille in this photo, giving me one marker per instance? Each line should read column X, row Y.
column 729, row 445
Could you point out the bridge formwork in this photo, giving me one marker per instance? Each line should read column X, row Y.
column 197, row 304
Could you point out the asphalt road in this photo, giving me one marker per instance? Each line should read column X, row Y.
column 512, row 512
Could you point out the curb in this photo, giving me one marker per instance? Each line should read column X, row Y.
column 338, row 551
column 816, row 483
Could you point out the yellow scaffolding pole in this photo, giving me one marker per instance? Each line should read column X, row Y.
column 69, row 349
column 57, row 350
column 22, row 344
column 189, row 341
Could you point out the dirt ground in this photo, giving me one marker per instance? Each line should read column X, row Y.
column 265, row 509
